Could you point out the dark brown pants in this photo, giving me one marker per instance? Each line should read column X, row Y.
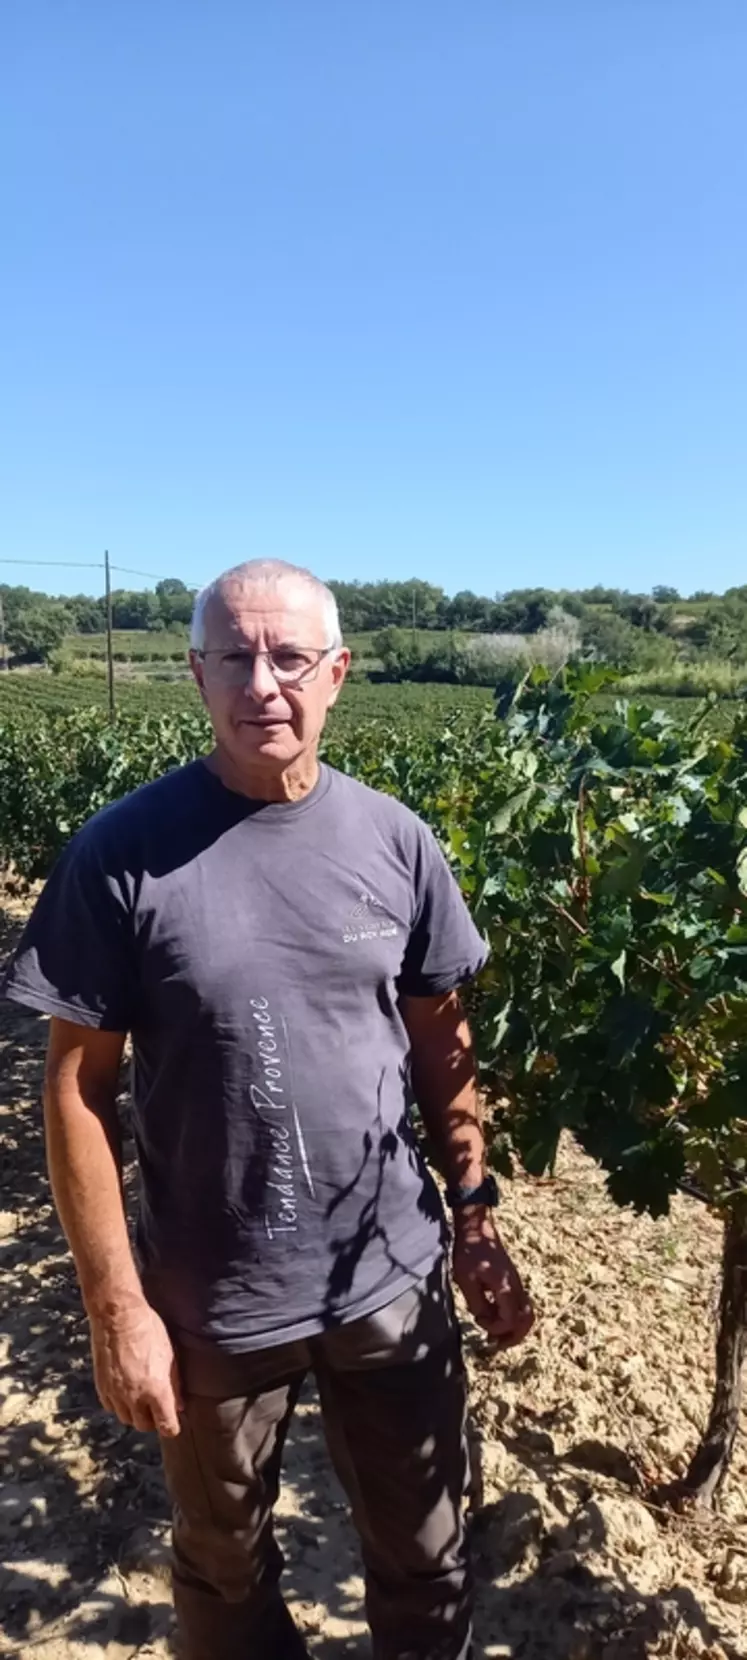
column 391, row 1389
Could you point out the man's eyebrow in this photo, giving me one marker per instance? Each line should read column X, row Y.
column 280, row 645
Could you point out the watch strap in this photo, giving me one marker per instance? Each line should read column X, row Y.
column 486, row 1193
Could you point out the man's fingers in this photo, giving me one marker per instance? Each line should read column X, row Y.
column 122, row 1409
column 478, row 1304
column 155, row 1413
column 508, row 1340
column 159, row 1412
column 508, row 1337
column 516, row 1317
column 141, row 1417
column 493, row 1308
column 505, row 1319
column 164, row 1412
column 170, row 1430
column 176, row 1386
column 167, row 1423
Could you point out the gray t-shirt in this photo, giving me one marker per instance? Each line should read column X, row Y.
column 256, row 953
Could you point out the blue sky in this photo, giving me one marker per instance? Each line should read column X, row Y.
column 388, row 287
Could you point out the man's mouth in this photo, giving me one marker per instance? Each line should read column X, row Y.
column 263, row 720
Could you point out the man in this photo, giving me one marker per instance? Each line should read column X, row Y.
column 284, row 947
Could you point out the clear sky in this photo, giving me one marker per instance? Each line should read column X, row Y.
column 452, row 288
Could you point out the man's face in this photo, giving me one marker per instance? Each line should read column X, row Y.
column 266, row 713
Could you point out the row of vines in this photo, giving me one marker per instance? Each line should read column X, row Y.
column 25, row 695
column 605, row 857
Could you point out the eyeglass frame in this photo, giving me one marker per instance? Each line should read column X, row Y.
column 305, row 678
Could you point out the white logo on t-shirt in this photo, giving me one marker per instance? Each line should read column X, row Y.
column 282, row 1138
column 368, row 920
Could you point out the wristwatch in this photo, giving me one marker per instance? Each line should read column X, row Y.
column 486, row 1193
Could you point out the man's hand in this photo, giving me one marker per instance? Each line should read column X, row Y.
column 488, row 1281
column 133, row 1359
column 135, row 1369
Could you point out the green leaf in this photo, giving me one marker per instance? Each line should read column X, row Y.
column 680, row 811
column 501, row 1025
column 539, row 1149
column 624, row 876
column 507, row 813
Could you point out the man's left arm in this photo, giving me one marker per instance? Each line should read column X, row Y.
column 443, row 1075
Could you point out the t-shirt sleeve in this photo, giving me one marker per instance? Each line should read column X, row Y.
column 444, row 949
column 75, row 956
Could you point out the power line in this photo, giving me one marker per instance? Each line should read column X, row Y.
column 68, row 564
column 126, row 570
column 90, row 565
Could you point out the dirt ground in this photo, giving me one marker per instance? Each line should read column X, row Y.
column 568, row 1433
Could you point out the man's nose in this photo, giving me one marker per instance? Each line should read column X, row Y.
column 261, row 682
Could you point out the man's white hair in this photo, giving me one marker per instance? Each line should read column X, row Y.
column 269, row 574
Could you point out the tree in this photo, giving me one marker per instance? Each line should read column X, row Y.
column 469, row 611
column 176, row 602
column 426, row 604
column 639, row 610
column 720, row 629
column 523, row 611
column 375, row 605
column 36, row 630
column 664, row 595
column 397, row 652
column 137, row 608
column 610, row 639
column 88, row 615
column 570, row 603
column 602, row 596
column 354, row 606
column 404, row 657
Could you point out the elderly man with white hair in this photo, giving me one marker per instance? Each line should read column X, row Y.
column 285, row 948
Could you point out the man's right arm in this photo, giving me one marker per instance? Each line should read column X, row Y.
column 134, row 1362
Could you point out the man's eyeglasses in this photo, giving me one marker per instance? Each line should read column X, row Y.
column 288, row 665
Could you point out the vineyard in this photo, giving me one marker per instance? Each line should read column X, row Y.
column 604, row 854
column 36, row 695
column 26, row 697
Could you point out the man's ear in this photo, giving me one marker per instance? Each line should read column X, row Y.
column 198, row 673
column 340, row 666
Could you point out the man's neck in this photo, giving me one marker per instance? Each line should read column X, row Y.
column 259, row 784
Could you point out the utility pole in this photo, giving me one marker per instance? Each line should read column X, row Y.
column 414, row 616
column 109, row 643
column 3, row 648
